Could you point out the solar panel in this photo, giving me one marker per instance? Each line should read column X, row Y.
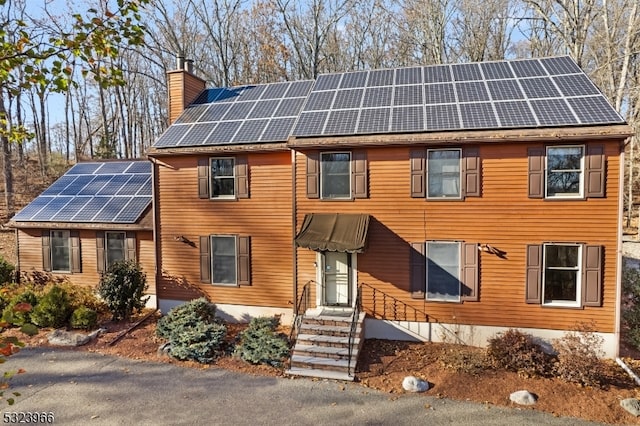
column 198, row 133
column 250, row 130
column 466, row 72
column 289, row 107
column 96, row 184
column 191, row 113
column 299, row 89
column 594, row 110
column 71, row 209
column 561, row 65
column 250, row 93
column 380, row 78
column 542, row 87
column 407, row 119
column 275, row 90
column 474, row 91
column 515, row 114
column 114, row 185
column 327, row 82
column 215, row 112
column 407, row 95
column 83, row 169
column 59, row 185
column 111, row 168
column 171, row 136
column 377, row 97
column 437, row 74
column 139, row 167
column 208, row 96
column 51, row 209
column 145, row 189
column 264, row 109
column 478, row 116
column 553, row 112
column 439, row 94
column 527, row 68
column 111, row 209
column 502, row 90
column 132, row 211
column 134, row 184
column 311, row 123
column 319, row 101
column 90, row 209
column 374, row 120
column 354, row 79
column 228, row 94
column 32, row 208
column 224, row 132
column 442, row 117
column 576, row 85
column 341, row 122
column 350, row 98
column 76, row 186
column 496, row 70
column 409, row 76
column 278, row 129
column 239, row 111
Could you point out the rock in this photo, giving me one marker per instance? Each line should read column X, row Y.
column 632, row 405
column 523, row 397
column 413, row 384
column 62, row 337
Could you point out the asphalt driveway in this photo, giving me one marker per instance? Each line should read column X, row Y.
column 82, row 388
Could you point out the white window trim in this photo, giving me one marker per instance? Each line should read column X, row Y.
column 232, row 177
column 580, row 193
column 350, row 196
column 563, row 303
column 67, row 235
column 106, row 245
column 444, row 197
column 235, row 259
column 426, row 293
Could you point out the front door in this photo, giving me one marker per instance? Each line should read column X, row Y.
column 337, row 278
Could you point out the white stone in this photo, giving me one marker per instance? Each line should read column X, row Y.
column 414, row 384
column 523, row 397
column 62, row 337
column 632, row 405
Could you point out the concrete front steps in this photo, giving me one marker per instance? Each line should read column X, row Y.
column 322, row 346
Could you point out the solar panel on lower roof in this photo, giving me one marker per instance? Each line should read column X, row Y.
column 496, row 70
column 59, row 185
column 83, row 169
column 348, row 98
column 133, row 185
column 341, row 122
column 515, row 114
column 502, row 90
column 407, row 119
column 132, row 211
column 409, row 76
column 250, row 130
column 437, row 74
column 575, row 85
column 442, row 117
column 51, row 209
column 111, row 209
column 471, row 91
column 90, row 209
column 32, row 208
column 407, row 95
column 377, row 97
column 224, row 132
column 278, row 129
column 374, row 120
column 76, row 186
column 466, row 72
column 553, row 112
column 71, row 209
column 114, row 185
column 96, row 184
column 439, row 93
column 541, row 87
column 478, row 116
column 112, row 167
column 560, row 65
column 527, row 68
column 139, row 167
column 327, row 82
column 354, row 80
column 380, row 78
column 146, row 188
column 311, row 123
column 594, row 110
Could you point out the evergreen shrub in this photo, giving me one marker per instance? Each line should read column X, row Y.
column 53, row 309
column 122, row 288
column 260, row 343
column 83, row 318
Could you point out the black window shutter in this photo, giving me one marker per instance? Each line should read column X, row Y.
column 472, row 174
column 592, row 276
column 533, row 292
column 242, row 177
column 205, row 260
column 595, row 171
column 203, row 178
column 418, row 172
column 46, row 250
column 313, row 174
column 130, row 246
column 244, row 260
column 418, row 268
column 359, row 184
column 536, row 172
column 101, row 260
column 469, row 266
column 76, row 259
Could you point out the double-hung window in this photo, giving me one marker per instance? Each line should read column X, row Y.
column 335, row 175
column 116, row 249
column 443, row 271
column 444, row 173
column 60, row 251
column 562, row 274
column 225, row 259
column 564, row 171
column 222, row 178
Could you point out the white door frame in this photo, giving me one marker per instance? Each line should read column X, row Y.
column 320, row 278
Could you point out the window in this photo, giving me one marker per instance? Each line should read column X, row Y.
column 223, row 178
column 564, row 171
column 565, row 275
column 60, row 251
column 115, row 247
column 335, row 174
column 225, row 260
column 567, row 171
column 443, row 173
column 444, row 271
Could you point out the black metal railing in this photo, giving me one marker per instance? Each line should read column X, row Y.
column 357, row 307
column 302, row 304
column 381, row 305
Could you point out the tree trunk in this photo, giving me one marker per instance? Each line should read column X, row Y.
column 7, row 171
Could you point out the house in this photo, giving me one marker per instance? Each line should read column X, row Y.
column 95, row 214
column 446, row 202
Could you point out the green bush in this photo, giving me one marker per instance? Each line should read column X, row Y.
column 122, row 287
column 580, row 357
column 53, row 309
column 261, row 344
column 83, row 318
column 193, row 331
column 7, row 271
column 18, row 316
column 518, row 352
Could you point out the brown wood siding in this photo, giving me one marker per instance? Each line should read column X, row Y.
column 503, row 216
column 30, row 245
column 265, row 217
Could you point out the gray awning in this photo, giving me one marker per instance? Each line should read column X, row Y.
column 342, row 232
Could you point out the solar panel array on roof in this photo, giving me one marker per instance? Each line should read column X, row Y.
column 545, row 92
column 246, row 114
column 110, row 192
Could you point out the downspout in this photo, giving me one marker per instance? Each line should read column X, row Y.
column 156, row 221
column 618, row 307
column 17, row 271
column 293, row 232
